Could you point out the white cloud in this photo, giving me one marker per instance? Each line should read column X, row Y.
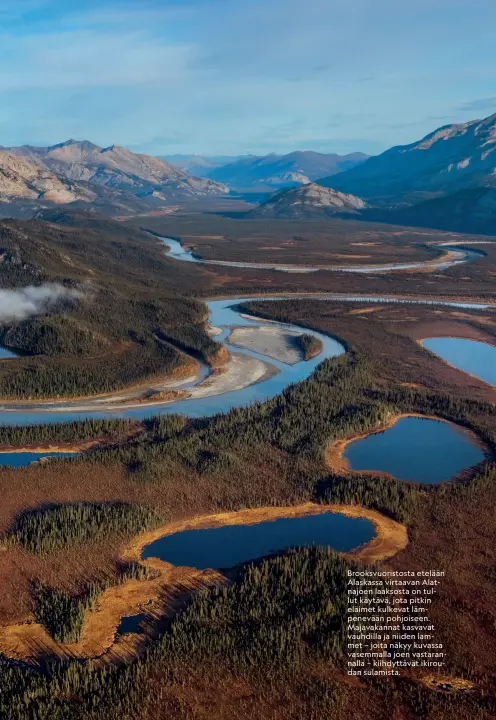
column 32, row 300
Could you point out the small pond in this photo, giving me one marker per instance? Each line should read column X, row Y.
column 416, row 449
column 5, row 353
column 131, row 624
column 230, row 545
column 471, row 356
column 21, row 459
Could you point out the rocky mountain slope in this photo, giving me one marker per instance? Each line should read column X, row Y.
column 27, row 187
column 310, row 202
column 118, row 168
column 445, row 161
column 273, row 171
column 25, row 180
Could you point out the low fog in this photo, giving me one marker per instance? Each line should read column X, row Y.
column 20, row 304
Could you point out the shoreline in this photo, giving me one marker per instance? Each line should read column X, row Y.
column 60, row 450
column 160, row 597
column 220, row 374
column 334, row 452
column 420, row 341
column 178, row 375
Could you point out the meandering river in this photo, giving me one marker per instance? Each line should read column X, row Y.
column 223, row 315
column 453, row 254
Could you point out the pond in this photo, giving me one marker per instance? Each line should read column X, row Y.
column 21, row 459
column 229, row 545
column 471, row 356
column 416, row 449
column 131, row 624
column 5, row 353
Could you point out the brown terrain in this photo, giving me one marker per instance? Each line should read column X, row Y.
column 389, row 334
column 320, row 243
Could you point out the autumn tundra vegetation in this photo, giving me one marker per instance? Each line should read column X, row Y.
column 270, row 640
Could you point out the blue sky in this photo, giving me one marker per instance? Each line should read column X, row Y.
column 236, row 76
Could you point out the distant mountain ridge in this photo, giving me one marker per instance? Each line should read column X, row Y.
column 270, row 172
column 451, row 158
column 201, row 165
column 119, row 168
column 310, row 202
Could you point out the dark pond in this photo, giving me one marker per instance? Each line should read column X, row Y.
column 230, row 545
column 471, row 356
column 131, row 624
column 416, row 449
column 21, row 459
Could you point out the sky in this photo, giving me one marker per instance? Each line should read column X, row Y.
column 243, row 76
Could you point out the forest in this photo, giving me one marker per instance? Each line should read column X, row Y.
column 130, row 322
column 274, row 627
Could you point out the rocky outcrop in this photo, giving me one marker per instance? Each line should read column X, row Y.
column 308, row 202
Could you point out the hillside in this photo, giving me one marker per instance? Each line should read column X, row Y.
column 274, row 171
column 112, row 292
column 310, row 201
column 449, row 159
column 118, row 168
column 472, row 210
column 28, row 187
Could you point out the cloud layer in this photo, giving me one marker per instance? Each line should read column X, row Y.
column 32, row 300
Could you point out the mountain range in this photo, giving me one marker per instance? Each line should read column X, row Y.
column 451, row 158
column 271, row 172
column 111, row 179
column 446, row 180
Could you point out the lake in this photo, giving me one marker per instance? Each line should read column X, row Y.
column 230, row 545
column 21, row 459
column 416, row 449
column 471, row 356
